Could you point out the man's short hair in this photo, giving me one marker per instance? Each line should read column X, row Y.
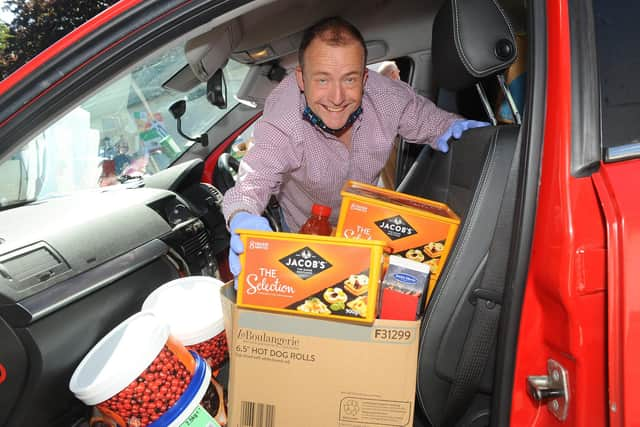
column 335, row 31
column 387, row 67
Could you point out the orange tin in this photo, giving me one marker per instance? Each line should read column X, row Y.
column 322, row 276
column 415, row 228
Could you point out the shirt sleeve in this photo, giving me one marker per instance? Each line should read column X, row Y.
column 262, row 169
column 421, row 121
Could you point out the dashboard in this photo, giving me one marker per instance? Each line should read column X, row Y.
column 73, row 267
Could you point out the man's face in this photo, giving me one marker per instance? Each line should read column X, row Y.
column 333, row 80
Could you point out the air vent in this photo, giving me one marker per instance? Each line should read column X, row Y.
column 213, row 193
column 196, row 244
column 31, row 266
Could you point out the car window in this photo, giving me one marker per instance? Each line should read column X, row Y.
column 124, row 130
column 617, row 40
column 243, row 142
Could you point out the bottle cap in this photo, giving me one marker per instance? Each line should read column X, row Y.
column 320, row 210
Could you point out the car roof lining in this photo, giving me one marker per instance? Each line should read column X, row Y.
column 391, row 29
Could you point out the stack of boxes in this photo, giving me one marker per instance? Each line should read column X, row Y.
column 417, row 229
column 282, row 329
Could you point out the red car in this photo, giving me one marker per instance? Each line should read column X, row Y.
column 117, row 143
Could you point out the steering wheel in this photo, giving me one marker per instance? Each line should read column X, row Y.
column 228, row 167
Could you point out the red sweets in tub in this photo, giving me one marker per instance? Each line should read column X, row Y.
column 191, row 306
column 135, row 373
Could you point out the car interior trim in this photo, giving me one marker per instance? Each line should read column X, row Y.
column 52, row 299
column 585, row 91
column 224, row 130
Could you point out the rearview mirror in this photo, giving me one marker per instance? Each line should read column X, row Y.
column 217, row 90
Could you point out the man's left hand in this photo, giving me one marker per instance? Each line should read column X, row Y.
column 455, row 131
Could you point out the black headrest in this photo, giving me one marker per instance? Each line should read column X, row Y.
column 472, row 39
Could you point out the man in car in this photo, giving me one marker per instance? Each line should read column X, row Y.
column 389, row 69
column 329, row 122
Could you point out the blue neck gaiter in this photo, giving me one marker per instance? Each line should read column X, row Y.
column 315, row 120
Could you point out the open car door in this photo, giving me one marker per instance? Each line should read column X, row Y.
column 574, row 354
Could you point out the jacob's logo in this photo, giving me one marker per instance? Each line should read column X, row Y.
column 305, row 263
column 395, row 227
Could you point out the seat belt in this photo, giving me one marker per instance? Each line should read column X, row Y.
column 402, row 161
column 487, row 300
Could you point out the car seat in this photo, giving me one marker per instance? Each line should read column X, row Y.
column 472, row 40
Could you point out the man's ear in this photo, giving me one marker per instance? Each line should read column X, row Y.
column 365, row 76
column 299, row 78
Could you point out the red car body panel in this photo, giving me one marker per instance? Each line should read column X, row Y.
column 617, row 187
column 58, row 47
column 565, row 305
column 210, row 163
column 67, row 41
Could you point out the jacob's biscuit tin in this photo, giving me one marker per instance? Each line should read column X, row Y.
column 415, row 228
column 330, row 277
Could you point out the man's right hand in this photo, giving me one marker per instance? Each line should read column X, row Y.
column 455, row 131
column 247, row 221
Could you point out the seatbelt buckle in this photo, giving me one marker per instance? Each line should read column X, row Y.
column 491, row 298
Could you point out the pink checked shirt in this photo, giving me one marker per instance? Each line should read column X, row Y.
column 302, row 164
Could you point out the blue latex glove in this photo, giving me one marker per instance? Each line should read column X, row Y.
column 455, row 131
column 247, row 221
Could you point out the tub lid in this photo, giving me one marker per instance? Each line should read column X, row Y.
column 191, row 306
column 119, row 358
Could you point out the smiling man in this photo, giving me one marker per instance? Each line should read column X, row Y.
column 332, row 75
column 329, row 122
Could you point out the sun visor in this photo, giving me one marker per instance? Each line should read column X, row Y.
column 376, row 50
column 182, row 81
column 256, row 86
column 211, row 51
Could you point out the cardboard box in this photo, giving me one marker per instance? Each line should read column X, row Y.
column 299, row 371
column 418, row 229
column 310, row 275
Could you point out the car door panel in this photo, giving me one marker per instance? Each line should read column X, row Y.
column 616, row 185
column 564, row 312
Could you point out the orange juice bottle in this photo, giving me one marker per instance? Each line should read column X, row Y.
column 318, row 222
